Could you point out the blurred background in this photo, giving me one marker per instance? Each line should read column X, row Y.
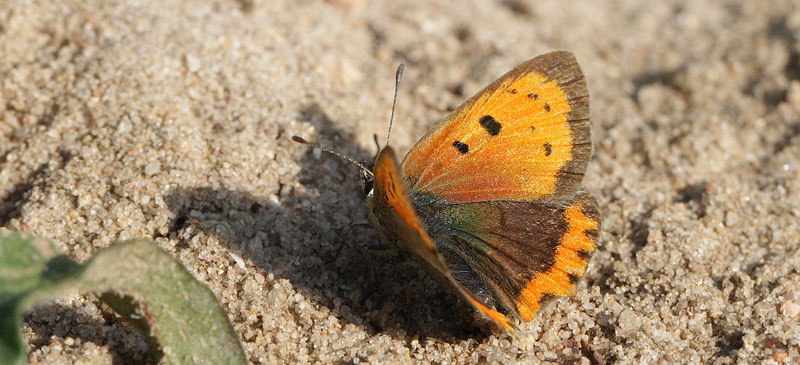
column 170, row 121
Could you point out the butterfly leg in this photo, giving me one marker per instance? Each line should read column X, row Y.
column 344, row 238
column 375, row 252
column 380, row 250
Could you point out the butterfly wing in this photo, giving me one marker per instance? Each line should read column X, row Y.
column 492, row 204
column 525, row 137
column 514, row 256
column 396, row 220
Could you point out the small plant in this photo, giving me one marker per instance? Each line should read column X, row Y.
column 179, row 316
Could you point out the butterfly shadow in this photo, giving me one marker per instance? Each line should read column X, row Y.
column 318, row 239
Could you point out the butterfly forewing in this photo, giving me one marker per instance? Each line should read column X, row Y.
column 524, row 137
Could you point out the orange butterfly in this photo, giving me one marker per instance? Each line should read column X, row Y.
column 490, row 200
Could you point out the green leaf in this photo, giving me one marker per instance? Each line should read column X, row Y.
column 179, row 316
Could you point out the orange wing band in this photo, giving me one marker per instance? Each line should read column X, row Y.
column 571, row 259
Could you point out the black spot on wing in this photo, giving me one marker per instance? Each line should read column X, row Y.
column 533, row 96
column 491, row 125
column 548, row 149
column 461, row 147
column 547, row 107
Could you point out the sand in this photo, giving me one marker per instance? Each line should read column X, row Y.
column 171, row 120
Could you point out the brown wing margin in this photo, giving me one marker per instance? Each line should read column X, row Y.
column 563, row 67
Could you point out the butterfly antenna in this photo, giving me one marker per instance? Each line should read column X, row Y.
column 328, row 150
column 397, row 77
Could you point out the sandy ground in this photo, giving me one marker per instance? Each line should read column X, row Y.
column 123, row 119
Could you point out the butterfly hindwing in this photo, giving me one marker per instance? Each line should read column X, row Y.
column 515, row 255
column 524, row 137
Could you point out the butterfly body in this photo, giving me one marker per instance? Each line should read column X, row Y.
column 489, row 201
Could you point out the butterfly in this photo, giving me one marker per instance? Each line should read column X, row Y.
column 490, row 199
